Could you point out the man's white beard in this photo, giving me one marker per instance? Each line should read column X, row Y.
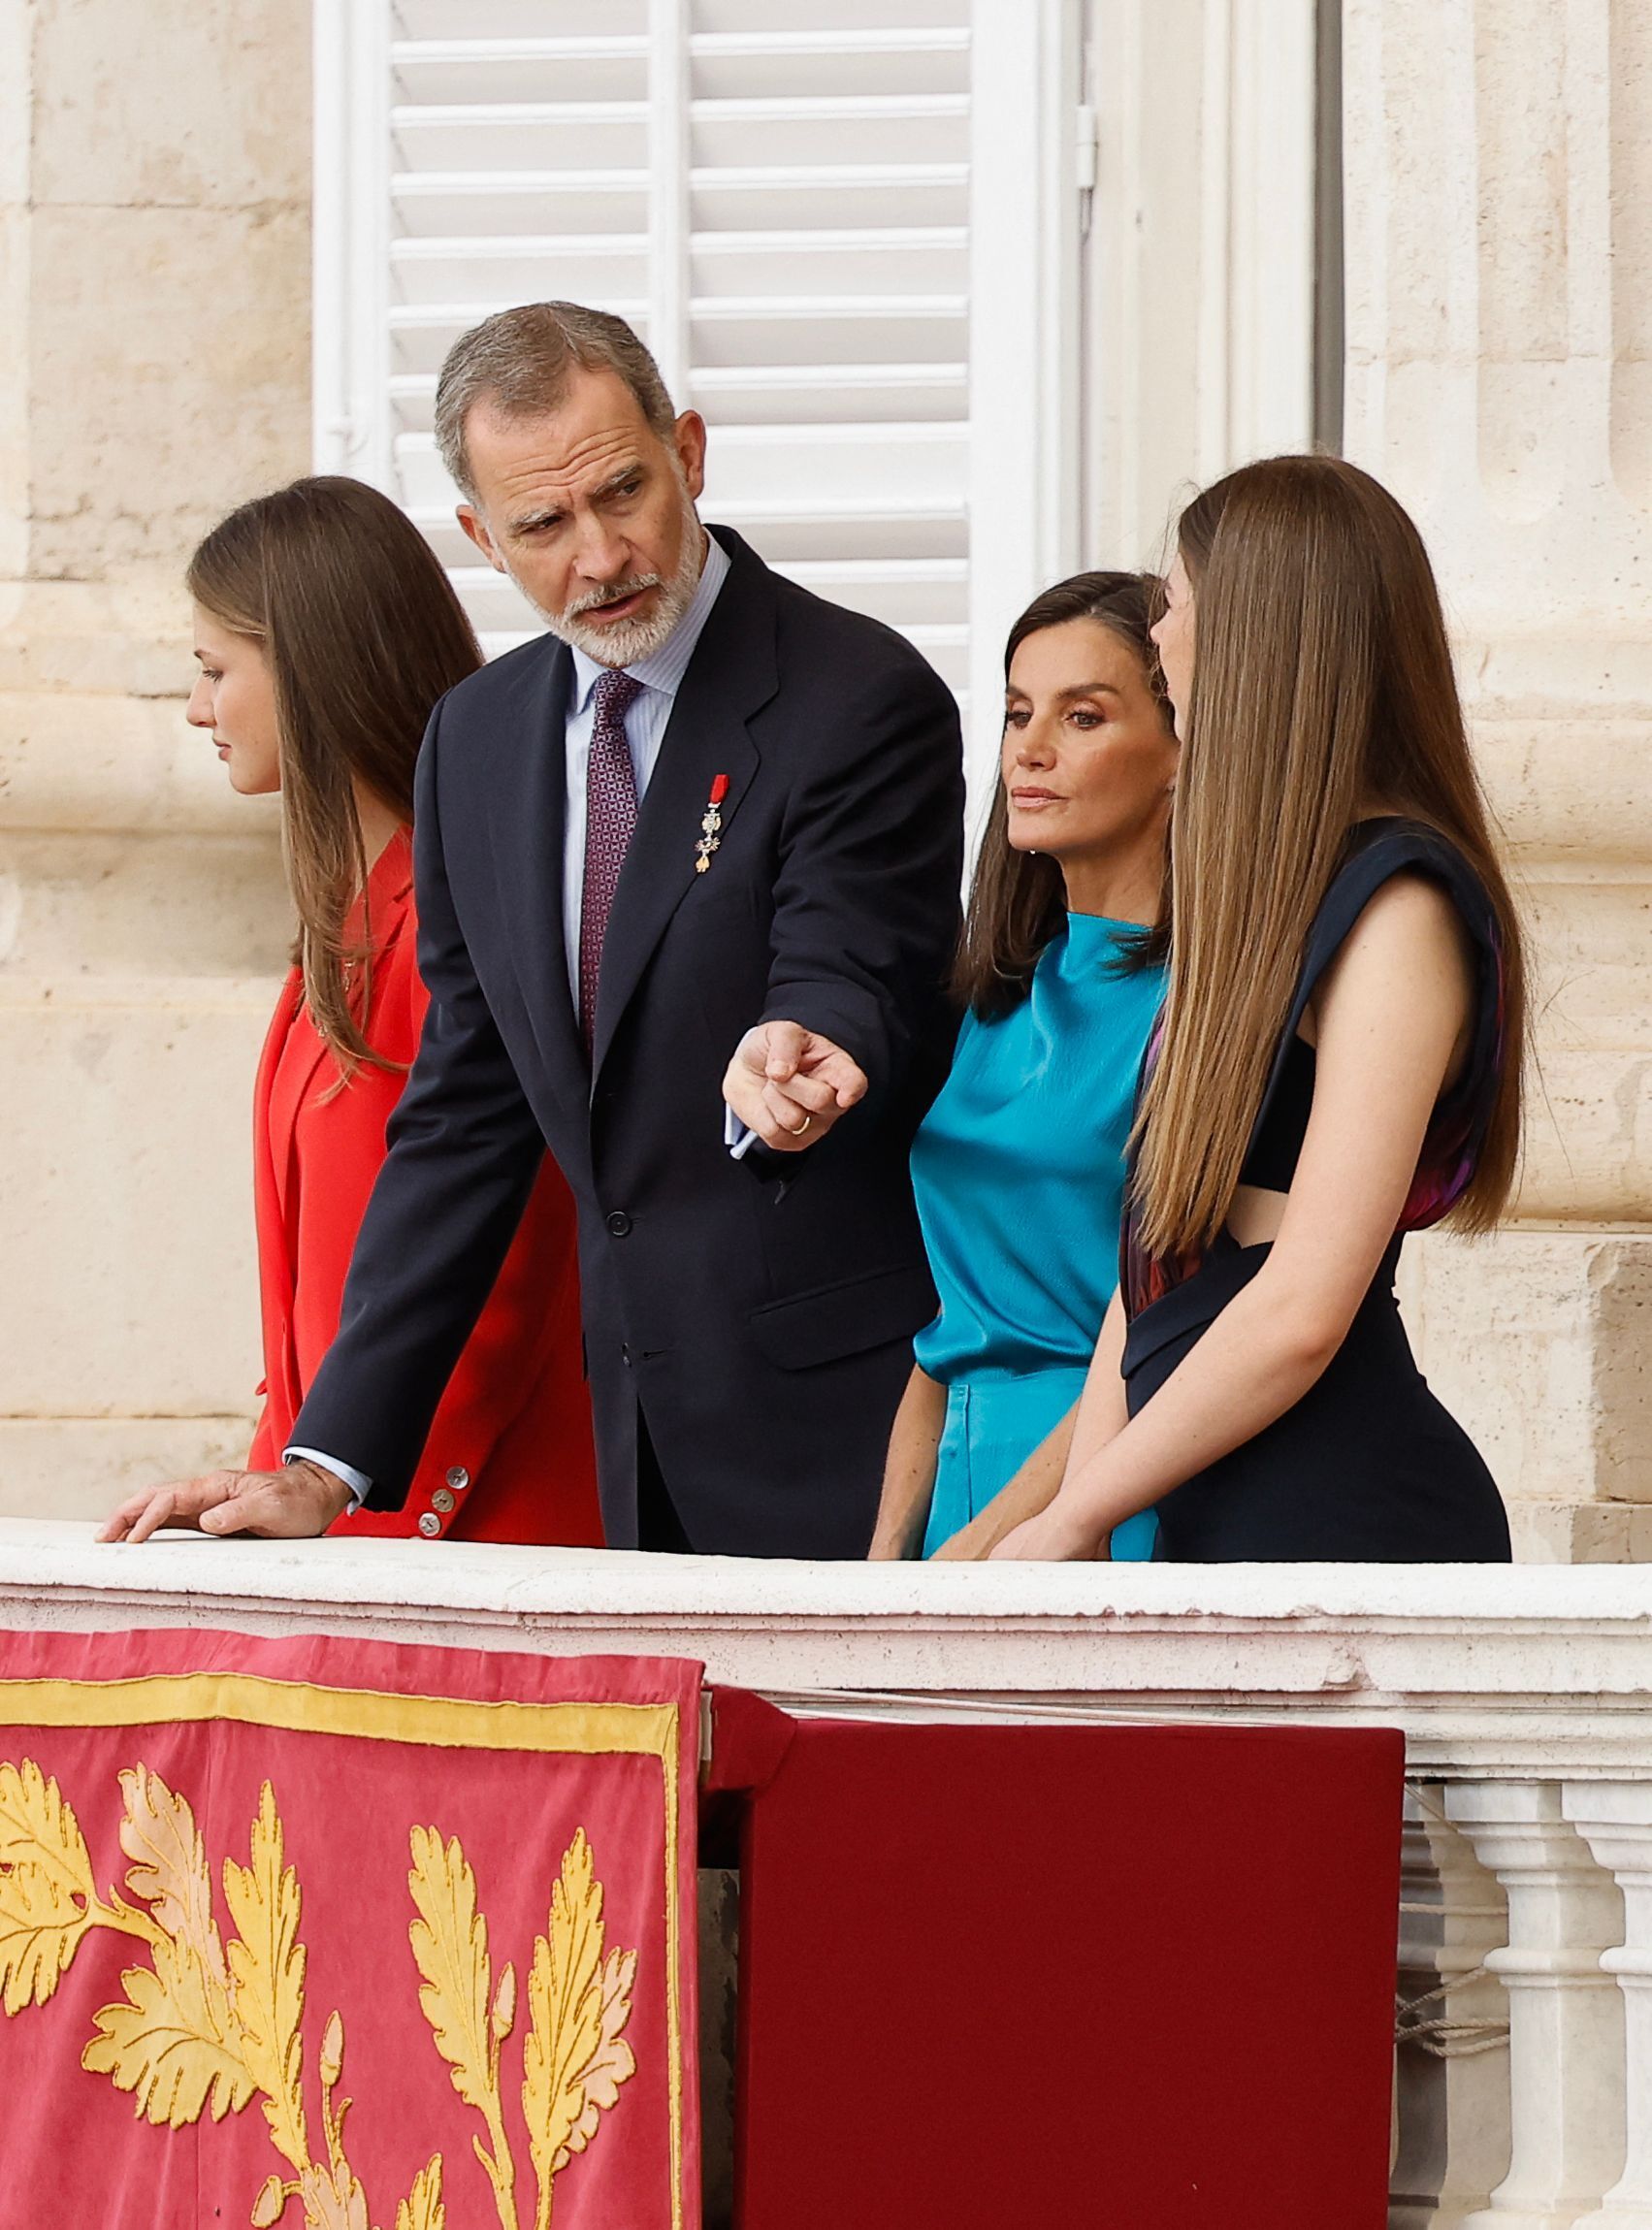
column 625, row 642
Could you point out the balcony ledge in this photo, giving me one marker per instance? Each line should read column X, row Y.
column 1492, row 1671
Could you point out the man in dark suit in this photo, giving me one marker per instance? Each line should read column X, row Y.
column 688, row 872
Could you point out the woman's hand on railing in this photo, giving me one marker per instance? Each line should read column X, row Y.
column 1055, row 1536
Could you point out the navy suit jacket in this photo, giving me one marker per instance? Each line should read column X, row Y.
column 759, row 1313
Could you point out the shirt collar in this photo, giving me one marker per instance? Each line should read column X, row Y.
column 664, row 669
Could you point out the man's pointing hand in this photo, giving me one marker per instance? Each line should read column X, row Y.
column 791, row 1084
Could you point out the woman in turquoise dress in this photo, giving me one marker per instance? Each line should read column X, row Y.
column 1018, row 1169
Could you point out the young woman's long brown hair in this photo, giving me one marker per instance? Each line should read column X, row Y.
column 1017, row 900
column 363, row 633
column 1322, row 688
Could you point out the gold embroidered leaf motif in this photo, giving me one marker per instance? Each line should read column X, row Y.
column 450, row 1946
column 162, row 2043
column 564, row 2001
column 270, row 2204
column 169, row 1867
column 614, row 2062
column 268, row 1967
column 423, row 2208
column 332, row 2199
column 47, row 1889
column 40, row 1925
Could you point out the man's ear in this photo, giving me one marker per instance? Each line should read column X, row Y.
column 690, row 439
column 477, row 527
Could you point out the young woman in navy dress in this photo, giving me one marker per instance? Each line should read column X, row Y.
column 1339, row 1061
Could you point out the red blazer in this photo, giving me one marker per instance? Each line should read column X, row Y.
column 510, row 1456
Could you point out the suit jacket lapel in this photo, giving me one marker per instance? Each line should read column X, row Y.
column 276, row 1101
column 732, row 673
column 529, row 826
column 295, row 1054
column 293, row 1068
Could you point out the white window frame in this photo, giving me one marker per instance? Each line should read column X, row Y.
column 350, row 241
column 1215, row 199
column 1030, row 147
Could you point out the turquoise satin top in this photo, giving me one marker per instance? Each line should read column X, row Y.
column 1019, row 1168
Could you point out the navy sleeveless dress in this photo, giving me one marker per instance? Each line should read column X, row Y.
column 1368, row 1466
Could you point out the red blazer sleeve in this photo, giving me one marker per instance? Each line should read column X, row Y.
column 509, row 1452
column 276, row 1295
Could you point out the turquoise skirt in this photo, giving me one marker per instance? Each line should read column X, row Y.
column 992, row 1426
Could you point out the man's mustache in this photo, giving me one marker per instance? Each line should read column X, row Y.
column 600, row 599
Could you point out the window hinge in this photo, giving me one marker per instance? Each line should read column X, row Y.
column 1085, row 142
column 1086, row 158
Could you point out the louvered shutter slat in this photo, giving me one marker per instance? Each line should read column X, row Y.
column 759, row 394
column 456, row 205
column 492, row 271
column 587, row 134
column 468, row 22
column 763, row 19
column 757, row 65
column 494, row 72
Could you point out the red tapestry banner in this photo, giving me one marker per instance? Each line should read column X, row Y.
column 245, row 1884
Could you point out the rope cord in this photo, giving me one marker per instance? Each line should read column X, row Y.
column 1438, row 2033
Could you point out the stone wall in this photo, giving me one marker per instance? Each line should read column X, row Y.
column 154, row 290
column 1499, row 236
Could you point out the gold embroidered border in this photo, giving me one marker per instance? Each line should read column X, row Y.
column 378, row 1715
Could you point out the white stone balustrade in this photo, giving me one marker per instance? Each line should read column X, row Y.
column 1451, row 2086
column 1565, row 2017
column 1525, row 1695
column 1615, row 1819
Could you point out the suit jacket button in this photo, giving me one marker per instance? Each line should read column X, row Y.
column 441, row 1500
column 459, row 1478
column 619, row 1223
column 430, row 1525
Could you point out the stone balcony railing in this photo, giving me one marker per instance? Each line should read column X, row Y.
column 1525, row 1695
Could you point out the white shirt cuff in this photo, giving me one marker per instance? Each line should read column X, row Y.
column 735, row 1136
column 358, row 1482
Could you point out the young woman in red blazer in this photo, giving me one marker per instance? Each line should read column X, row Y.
column 325, row 632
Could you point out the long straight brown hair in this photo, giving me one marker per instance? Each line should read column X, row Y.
column 1017, row 900
column 1322, row 679
column 363, row 633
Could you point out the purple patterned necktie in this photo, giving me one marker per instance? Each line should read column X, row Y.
column 610, row 815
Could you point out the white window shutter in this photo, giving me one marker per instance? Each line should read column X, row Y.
column 852, row 232
column 776, row 192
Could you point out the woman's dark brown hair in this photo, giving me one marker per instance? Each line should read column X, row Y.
column 1017, row 900
column 363, row 633
column 1323, row 689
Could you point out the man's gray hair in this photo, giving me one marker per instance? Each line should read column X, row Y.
column 520, row 361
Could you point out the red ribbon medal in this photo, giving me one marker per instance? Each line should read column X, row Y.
column 711, row 825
